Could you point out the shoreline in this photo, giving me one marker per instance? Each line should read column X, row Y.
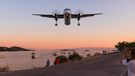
column 86, row 66
column 53, row 64
column 48, row 66
column 88, row 57
column 42, row 60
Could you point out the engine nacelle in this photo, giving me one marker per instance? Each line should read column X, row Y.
column 78, row 16
column 56, row 16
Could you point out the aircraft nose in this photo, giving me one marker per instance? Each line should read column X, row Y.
column 67, row 11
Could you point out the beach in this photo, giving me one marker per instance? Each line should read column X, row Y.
column 102, row 65
column 22, row 60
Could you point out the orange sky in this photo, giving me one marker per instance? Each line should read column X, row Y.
column 18, row 27
column 60, row 43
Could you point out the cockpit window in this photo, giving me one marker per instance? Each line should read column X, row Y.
column 67, row 9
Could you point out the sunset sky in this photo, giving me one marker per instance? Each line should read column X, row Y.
column 18, row 27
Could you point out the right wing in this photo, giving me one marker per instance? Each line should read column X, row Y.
column 88, row 15
column 85, row 15
column 50, row 16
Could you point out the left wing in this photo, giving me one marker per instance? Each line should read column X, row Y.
column 50, row 16
column 84, row 15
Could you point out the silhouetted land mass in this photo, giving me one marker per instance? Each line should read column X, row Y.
column 122, row 45
column 14, row 48
column 66, row 50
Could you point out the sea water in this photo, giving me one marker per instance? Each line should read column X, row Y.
column 22, row 60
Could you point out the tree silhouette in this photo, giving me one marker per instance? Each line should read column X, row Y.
column 124, row 44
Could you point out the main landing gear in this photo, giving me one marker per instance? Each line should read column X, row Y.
column 78, row 23
column 56, row 23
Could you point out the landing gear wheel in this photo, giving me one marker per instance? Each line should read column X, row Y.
column 78, row 24
column 56, row 24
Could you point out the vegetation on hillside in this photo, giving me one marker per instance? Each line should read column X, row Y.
column 124, row 44
column 97, row 53
column 4, row 69
column 14, row 48
column 75, row 57
column 62, row 59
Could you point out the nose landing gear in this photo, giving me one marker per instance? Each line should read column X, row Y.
column 56, row 23
column 78, row 23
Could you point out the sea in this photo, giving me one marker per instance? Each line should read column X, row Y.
column 21, row 60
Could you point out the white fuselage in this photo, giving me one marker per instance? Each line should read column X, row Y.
column 67, row 16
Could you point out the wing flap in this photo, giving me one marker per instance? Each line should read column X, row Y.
column 74, row 15
column 49, row 16
column 88, row 15
column 84, row 15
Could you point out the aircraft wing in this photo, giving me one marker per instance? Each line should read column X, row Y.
column 50, row 16
column 84, row 15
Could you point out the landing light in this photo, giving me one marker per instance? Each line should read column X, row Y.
column 53, row 14
column 67, row 14
column 80, row 14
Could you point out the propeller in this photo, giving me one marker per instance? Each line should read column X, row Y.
column 55, row 12
column 79, row 11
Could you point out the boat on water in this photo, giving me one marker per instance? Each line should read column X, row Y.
column 55, row 54
column 34, row 56
column 2, row 56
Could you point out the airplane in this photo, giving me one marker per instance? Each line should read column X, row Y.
column 67, row 16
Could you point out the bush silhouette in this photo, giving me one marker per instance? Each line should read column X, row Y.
column 74, row 57
column 95, row 54
column 4, row 69
column 62, row 59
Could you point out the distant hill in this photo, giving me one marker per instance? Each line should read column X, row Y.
column 94, row 48
column 14, row 48
column 82, row 49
